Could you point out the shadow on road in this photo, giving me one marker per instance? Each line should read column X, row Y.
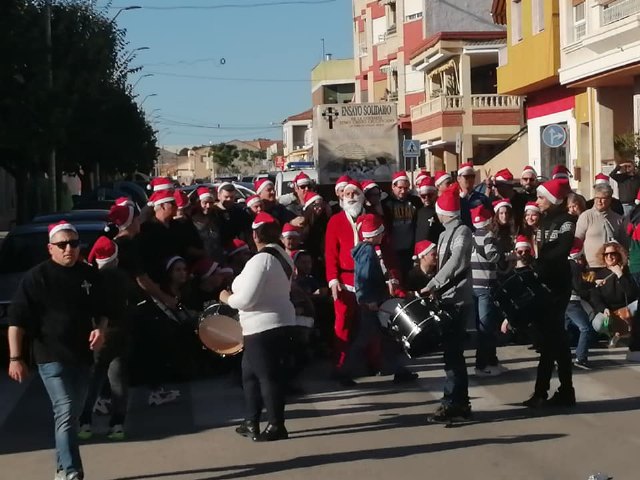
column 310, row 461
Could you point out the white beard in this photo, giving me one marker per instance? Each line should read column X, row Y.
column 353, row 208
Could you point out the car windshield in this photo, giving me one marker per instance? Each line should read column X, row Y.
column 21, row 252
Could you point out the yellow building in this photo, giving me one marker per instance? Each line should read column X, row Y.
column 529, row 66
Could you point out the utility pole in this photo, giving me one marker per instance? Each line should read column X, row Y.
column 52, row 151
column 323, row 52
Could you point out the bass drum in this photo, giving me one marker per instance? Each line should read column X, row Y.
column 387, row 310
column 219, row 330
column 418, row 325
column 521, row 297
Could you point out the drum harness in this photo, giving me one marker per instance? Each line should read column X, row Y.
column 447, row 255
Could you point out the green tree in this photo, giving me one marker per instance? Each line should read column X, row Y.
column 224, row 155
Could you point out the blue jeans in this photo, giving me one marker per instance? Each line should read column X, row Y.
column 456, row 383
column 67, row 388
column 487, row 318
column 576, row 315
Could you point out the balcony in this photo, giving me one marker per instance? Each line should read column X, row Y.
column 439, row 104
column 496, row 102
column 618, row 10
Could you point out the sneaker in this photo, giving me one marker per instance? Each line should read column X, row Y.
column 583, row 364
column 162, row 396
column 536, row 401
column 563, row 398
column 101, row 406
column 404, row 376
column 487, row 372
column 633, row 356
column 445, row 414
column 85, row 432
column 613, row 343
column 116, row 433
column 74, row 476
column 60, row 475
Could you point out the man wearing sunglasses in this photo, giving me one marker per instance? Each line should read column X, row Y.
column 295, row 201
column 59, row 306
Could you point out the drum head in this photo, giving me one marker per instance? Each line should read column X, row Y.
column 221, row 334
column 388, row 310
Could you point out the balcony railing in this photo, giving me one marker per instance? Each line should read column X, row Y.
column 494, row 101
column 438, row 104
column 618, row 10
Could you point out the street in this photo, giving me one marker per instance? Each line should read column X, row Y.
column 372, row 432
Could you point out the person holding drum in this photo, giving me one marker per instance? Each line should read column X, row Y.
column 452, row 284
column 554, row 240
column 261, row 294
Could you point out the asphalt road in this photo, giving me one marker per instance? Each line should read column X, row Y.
column 374, row 431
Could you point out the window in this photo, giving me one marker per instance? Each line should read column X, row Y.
column 579, row 21
column 391, row 18
column 412, row 10
column 537, row 15
column 379, row 29
column 516, row 21
column 414, row 80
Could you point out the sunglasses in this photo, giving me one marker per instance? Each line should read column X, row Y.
column 610, row 254
column 69, row 243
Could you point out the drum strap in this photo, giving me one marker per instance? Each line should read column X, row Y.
column 285, row 265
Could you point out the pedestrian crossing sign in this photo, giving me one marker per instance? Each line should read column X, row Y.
column 411, row 148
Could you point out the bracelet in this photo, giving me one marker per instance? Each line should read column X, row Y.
column 15, row 359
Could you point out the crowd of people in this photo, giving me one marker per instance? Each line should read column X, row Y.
column 309, row 275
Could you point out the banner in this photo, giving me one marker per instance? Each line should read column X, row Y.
column 356, row 139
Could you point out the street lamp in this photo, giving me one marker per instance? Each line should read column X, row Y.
column 131, row 53
column 145, row 98
column 124, row 9
column 143, row 76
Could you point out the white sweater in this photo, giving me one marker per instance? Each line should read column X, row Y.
column 262, row 294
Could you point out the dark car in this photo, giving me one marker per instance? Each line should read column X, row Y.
column 25, row 247
column 88, row 215
column 104, row 196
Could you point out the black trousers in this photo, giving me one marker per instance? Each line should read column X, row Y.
column 554, row 346
column 263, row 373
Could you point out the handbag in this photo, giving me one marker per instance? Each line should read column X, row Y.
column 621, row 320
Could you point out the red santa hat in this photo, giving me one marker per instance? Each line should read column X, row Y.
column 466, row 169
column 171, row 261
column 353, row 185
column 522, row 241
column 60, row 226
column 554, row 190
column 261, row 184
column 560, row 171
column 121, row 216
column 204, row 193
column 481, row 216
column 160, row 197
column 253, row 200
column 529, row 171
column 302, row 179
column 368, row 185
column 399, row 176
column 422, row 174
column 290, row 231
column 448, row 202
column 422, row 248
column 125, row 202
column 601, row 179
column 577, row 249
column 370, row 225
column 182, row 199
column 441, row 176
column 204, row 268
column 237, row 246
column 103, row 251
column 342, row 182
column 426, row 185
column 532, row 207
column 261, row 219
column 160, row 183
column 310, row 197
column 503, row 176
column 503, row 202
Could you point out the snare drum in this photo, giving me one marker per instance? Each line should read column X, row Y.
column 521, row 296
column 417, row 325
column 219, row 329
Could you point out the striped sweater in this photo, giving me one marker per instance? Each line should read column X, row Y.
column 484, row 258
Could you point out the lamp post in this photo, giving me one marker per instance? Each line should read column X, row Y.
column 124, row 9
column 148, row 96
column 143, row 76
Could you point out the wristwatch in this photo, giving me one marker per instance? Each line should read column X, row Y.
column 15, row 359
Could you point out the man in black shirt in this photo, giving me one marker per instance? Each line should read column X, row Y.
column 628, row 180
column 428, row 227
column 233, row 220
column 60, row 306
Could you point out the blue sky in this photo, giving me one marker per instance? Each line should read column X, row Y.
column 275, row 42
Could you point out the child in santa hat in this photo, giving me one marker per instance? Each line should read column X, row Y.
column 426, row 259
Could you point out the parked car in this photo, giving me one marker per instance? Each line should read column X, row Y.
column 243, row 190
column 87, row 215
column 25, row 246
column 105, row 195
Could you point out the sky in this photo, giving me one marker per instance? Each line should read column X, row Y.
column 276, row 46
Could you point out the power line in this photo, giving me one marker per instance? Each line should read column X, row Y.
column 233, row 5
column 174, row 123
column 187, row 62
column 231, row 79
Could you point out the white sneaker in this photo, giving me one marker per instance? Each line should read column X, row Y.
column 162, row 396
column 102, row 405
column 487, row 372
column 60, row 475
column 633, row 356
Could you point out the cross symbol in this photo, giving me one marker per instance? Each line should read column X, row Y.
column 431, row 220
column 86, row 286
column 330, row 114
